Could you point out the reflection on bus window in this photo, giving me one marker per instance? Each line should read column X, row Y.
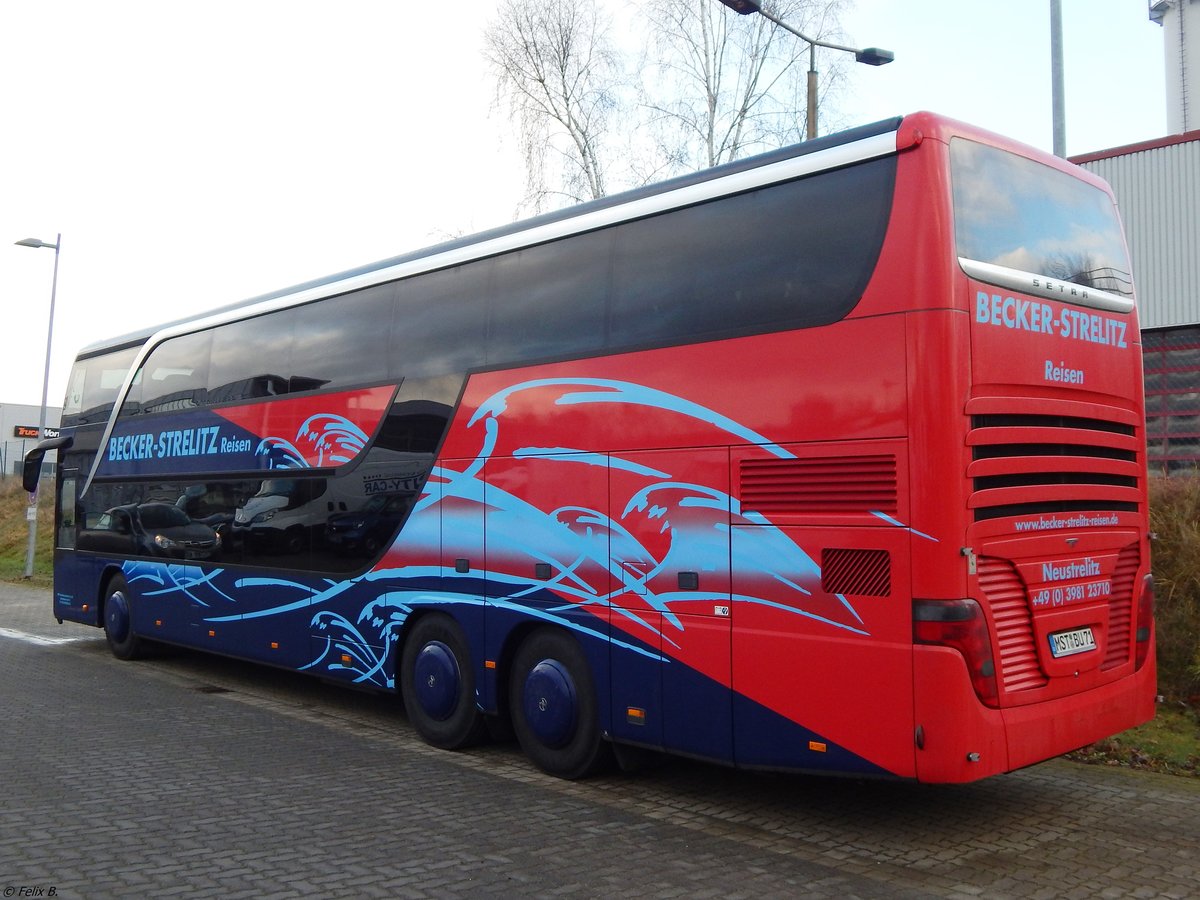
column 310, row 521
column 1011, row 211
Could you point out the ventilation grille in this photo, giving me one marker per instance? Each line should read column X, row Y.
column 856, row 484
column 1120, row 609
column 1005, row 593
column 1035, row 464
column 864, row 573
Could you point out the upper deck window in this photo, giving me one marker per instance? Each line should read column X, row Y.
column 1012, row 212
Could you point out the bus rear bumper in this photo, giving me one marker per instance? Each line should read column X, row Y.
column 1043, row 730
column 959, row 739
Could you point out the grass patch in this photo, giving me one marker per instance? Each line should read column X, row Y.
column 1169, row 743
column 14, row 533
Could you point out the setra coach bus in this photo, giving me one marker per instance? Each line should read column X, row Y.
column 828, row 460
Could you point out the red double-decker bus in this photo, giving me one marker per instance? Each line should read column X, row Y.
column 827, row 460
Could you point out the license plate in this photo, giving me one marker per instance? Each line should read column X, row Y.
column 1068, row 643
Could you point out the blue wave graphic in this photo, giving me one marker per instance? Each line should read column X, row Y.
column 593, row 557
column 332, row 440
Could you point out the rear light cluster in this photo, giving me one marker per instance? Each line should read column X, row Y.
column 1144, row 622
column 960, row 624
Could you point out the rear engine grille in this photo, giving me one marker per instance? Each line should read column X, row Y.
column 1005, row 594
column 1120, row 608
column 1034, row 463
column 856, row 484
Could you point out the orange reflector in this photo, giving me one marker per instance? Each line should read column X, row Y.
column 212, row 634
column 635, row 716
column 158, row 623
column 346, row 658
column 489, row 664
column 274, row 645
column 85, row 607
column 817, row 746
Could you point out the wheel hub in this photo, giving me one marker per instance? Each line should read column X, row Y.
column 550, row 703
column 116, row 617
column 436, row 678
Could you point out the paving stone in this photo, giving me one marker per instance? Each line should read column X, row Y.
column 123, row 779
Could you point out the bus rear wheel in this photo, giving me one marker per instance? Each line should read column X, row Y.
column 438, row 685
column 118, row 621
column 553, row 706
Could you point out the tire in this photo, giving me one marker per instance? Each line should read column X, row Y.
column 553, row 706
column 118, row 621
column 293, row 541
column 437, row 683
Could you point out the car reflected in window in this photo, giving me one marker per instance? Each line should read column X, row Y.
column 150, row 529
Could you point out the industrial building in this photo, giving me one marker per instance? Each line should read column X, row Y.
column 1157, row 185
column 19, row 434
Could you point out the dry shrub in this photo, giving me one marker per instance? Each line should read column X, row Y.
column 1175, row 520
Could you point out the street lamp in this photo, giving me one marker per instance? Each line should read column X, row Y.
column 871, row 56
column 31, row 513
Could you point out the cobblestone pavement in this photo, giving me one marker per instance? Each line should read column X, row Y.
column 188, row 775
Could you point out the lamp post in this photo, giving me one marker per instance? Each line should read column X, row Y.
column 1057, row 93
column 871, row 56
column 31, row 513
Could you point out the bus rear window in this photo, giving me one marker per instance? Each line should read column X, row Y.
column 1013, row 212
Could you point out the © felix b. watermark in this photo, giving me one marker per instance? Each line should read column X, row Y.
column 30, row 890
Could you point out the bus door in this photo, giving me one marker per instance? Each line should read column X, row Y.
column 671, row 611
column 75, row 575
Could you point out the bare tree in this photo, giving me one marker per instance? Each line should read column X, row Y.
column 559, row 77
column 722, row 86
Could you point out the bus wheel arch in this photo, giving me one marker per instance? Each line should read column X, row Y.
column 116, row 612
column 553, row 705
column 437, row 683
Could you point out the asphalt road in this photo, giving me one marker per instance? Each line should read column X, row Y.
column 188, row 775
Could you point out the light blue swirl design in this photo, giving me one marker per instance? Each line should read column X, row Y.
column 165, row 579
column 333, row 440
column 630, row 393
column 332, row 436
column 280, row 453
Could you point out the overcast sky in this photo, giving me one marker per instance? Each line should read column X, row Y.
column 196, row 154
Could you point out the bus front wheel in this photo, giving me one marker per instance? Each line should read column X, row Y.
column 118, row 621
column 438, row 685
column 553, row 705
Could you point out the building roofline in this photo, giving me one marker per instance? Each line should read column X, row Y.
column 1170, row 140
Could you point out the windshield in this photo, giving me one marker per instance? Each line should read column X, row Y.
column 277, row 487
column 94, row 385
column 160, row 515
column 1013, row 212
